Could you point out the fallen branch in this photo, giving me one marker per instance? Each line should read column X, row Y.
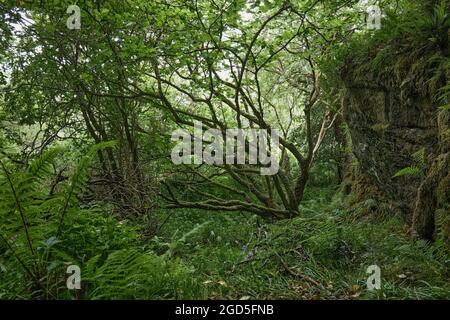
column 299, row 274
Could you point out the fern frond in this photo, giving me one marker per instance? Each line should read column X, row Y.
column 442, row 220
column 42, row 166
column 132, row 274
column 79, row 180
column 18, row 203
column 419, row 157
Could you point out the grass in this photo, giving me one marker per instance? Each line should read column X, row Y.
column 323, row 254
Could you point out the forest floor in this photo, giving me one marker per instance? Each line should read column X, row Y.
column 323, row 254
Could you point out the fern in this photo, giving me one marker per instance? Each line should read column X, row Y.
column 79, row 181
column 415, row 170
column 442, row 221
column 131, row 274
column 24, row 208
column 41, row 167
column 174, row 245
column 15, row 197
column 419, row 157
column 408, row 171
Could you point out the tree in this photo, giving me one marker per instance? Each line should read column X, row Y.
column 233, row 73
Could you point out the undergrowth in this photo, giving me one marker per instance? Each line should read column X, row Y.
column 43, row 233
column 322, row 254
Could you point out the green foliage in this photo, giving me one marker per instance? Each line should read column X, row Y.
column 411, row 50
column 78, row 182
column 408, row 171
column 156, row 66
column 442, row 221
column 323, row 254
column 131, row 274
column 327, row 251
column 419, row 159
column 46, row 247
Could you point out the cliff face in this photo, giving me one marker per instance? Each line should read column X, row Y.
column 395, row 86
column 385, row 132
column 391, row 125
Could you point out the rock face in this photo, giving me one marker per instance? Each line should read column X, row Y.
column 389, row 124
column 384, row 138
